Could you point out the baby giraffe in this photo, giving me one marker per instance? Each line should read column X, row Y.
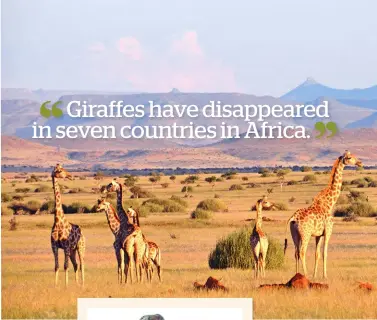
column 258, row 239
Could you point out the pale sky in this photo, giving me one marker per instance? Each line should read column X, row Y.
column 258, row 47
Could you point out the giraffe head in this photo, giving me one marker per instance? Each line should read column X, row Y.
column 349, row 159
column 264, row 204
column 60, row 172
column 113, row 186
column 132, row 214
column 102, row 205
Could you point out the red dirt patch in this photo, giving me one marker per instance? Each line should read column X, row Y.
column 366, row 286
column 211, row 284
column 298, row 281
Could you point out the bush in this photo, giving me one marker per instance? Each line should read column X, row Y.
column 235, row 187
column 48, row 206
column 138, row 192
column 164, row 185
column 33, row 205
column 310, row 178
column 181, row 201
column 245, row 178
column 292, row 199
column 167, row 205
column 372, row 184
column 214, row 205
column 281, row 206
column 187, row 189
column 143, row 211
column 216, row 196
column 306, row 169
column 5, row 197
column 211, row 179
column 219, row 179
column 234, row 251
column 201, row 214
column 78, row 207
column 357, row 196
column 152, row 207
column 33, row 178
column 191, row 179
column 361, row 209
column 292, row 182
column 22, row 190
column 76, row 190
column 172, row 178
column 253, row 185
column 267, row 174
column 263, row 170
column 18, row 198
column 43, row 188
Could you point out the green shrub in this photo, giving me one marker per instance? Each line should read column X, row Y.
column 234, row 187
column 33, row 178
column 210, row 179
column 43, row 188
column 144, row 211
column 281, row 206
column 267, row 174
column 18, row 198
column 5, row 197
column 187, row 189
column 234, row 251
column 214, row 205
column 48, row 206
column 153, row 207
column 167, row 205
column 361, row 209
column 191, row 179
column 201, row 214
column 372, row 184
column 78, row 207
column 253, row 185
column 219, row 179
column 22, row 190
column 309, row 178
column 357, row 196
column 181, row 201
column 138, row 192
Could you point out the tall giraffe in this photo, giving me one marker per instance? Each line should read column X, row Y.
column 130, row 237
column 154, row 252
column 65, row 235
column 317, row 220
column 114, row 224
column 258, row 239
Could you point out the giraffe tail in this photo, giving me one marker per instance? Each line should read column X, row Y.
column 286, row 233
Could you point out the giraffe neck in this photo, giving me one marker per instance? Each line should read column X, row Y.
column 329, row 196
column 112, row 219
column 121, row 213
column 258, row 221
column 59, row 213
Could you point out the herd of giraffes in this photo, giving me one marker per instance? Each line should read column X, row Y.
column 133, row 250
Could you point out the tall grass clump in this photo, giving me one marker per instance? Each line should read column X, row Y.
column 215, row 205
column 181, row 201
column 234, row 251
column 167, row 205
column 309, row 178
column 234, row 187
column 201, row 214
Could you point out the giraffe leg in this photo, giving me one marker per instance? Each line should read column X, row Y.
column 303, row 248
column 66, row 257
column 328, row 232
column 297, row 259
column 56, row 256
column 74, row 263
column 119, row 262
column 81, row 253
column 318, row 242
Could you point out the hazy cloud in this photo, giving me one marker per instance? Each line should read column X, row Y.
column 130, row 47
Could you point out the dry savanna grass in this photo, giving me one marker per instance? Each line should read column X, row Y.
column 28, row 289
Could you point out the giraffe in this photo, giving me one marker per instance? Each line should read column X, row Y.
column 258, row 239
column 130, row 237
column 317, row 220
column 114, row 224
column 154, row 252
column 65, row 235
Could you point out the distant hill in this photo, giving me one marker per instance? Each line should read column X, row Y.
column 367, row 122
column 311, row 90
column 370, row 104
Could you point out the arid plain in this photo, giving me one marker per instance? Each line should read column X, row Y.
column 28, row 265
